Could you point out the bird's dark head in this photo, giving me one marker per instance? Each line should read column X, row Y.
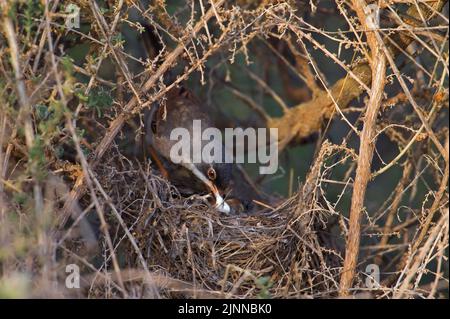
column 218, row 173
column 205, row 178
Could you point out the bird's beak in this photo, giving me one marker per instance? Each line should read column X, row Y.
column 220, row 204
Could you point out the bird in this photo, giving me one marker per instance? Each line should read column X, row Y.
column 179, row 110
column 181, row 107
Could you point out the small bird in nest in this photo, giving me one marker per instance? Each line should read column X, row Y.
column 209, row 178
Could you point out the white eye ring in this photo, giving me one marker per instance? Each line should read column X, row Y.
column 211, row 172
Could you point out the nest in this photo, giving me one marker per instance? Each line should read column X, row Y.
column 195, row 251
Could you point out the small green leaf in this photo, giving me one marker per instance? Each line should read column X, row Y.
column 20, row 198
column 42, row 111
column 67, row 64
column 99, row 100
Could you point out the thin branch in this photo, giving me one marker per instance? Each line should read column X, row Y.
column 366, row 148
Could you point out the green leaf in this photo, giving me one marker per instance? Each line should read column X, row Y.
column 67, row 64
column 42, row 111
column 99, row 100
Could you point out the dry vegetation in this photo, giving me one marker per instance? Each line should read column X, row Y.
column 72, row 192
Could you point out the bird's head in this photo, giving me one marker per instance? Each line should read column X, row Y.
column 213, row 178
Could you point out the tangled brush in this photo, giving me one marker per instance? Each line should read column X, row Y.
column 363, row 213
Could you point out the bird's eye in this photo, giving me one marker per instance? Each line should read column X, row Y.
column 211, row 173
